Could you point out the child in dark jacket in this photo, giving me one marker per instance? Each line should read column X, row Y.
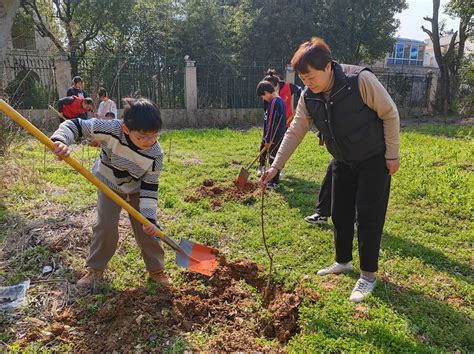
column 274, row 125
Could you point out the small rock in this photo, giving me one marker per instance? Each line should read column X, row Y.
column 153, row 336
column 139, row 319
column 187, row 325
column 47, row 269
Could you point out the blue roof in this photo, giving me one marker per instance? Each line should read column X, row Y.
column 399, row 39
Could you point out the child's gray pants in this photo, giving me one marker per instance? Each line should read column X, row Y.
column 105, row 236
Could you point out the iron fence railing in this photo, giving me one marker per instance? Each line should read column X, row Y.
column 31, row 82
column 160, row 82
column 230, row 86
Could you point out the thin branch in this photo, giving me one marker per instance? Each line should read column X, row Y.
column 427, row 31
column 32, row 9
column 429, row 19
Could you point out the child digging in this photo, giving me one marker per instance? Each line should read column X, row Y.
column 130, row 163
column 274, row 125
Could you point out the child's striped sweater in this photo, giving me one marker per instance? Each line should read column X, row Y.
column 122, row 165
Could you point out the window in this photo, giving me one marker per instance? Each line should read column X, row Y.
column 399, row 50
column 406, row 52
column 23, row 33
column 414, row 52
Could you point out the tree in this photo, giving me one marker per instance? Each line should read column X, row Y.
column 449, row 61
column 72, row 24
column 359, row 32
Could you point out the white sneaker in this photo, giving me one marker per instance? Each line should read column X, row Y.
column 362, row 289
column 260, row 171
column 337, row 268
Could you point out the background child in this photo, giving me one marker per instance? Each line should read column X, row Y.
column 273, row 125
column 286, row 91
column 76, row 88
column 110, row 115
column 130, row 164
column 106, row 104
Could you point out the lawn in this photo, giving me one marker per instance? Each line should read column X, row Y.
column 423, row 300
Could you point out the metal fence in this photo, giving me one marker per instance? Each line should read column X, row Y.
column 29, row 80
column 162, row 83
column 408, row 90
column 229, row 86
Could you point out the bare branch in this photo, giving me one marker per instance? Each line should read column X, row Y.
column 427, row 31
column 32, row 9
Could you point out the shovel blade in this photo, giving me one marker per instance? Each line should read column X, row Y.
column 243, row 177
column 198, row 258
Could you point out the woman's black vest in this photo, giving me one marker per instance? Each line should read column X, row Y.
column 351, row 130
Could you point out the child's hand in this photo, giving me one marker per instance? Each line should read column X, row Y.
column 150, row 230
column 61, row 149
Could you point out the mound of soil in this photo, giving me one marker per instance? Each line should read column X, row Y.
column 227, row 308
column 218, row 193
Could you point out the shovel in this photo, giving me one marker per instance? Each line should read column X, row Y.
column 243, row 176
column 191, row 255
column 54, row 110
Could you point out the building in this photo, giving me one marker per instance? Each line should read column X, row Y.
column 430, row 60
column 30, row 73
column 408, row 56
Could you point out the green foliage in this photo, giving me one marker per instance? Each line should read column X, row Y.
column 27, row 91
column 359, row 32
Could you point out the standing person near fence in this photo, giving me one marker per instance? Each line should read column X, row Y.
column 76, row 88
column 361, row 128
column 106, row 106
column 273, row 125
column 74, row 107
column 130, row 164
column 286, row 91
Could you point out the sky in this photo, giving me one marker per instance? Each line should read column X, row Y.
column 411, row 19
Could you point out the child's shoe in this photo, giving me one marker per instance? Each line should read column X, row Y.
column 91, row 277
column 337, row 268
column 260, row 171
column 362, row 289
column 160, row 277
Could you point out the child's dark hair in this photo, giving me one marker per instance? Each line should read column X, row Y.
column 110, row 115
column 272, row 77
column 314, row 53
column 77, row 79
column 102, row 92
column 140, row 114
column 264, row 86
column 88, row 100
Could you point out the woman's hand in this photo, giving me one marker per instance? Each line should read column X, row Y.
column 267, row 176
column 392, row 166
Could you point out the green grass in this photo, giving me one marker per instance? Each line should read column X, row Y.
column 424, row 298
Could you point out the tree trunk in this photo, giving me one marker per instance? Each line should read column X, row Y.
column 74, row 60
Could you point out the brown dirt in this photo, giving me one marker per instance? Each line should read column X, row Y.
column 219, row 193
column 227, row 310
column 226, row 307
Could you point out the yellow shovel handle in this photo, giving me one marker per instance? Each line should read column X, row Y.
column 56, row 111
column 38, row 134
